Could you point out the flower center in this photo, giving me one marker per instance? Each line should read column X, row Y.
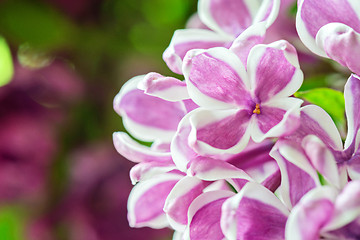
column 257, row 109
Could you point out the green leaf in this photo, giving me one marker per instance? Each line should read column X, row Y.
column 12, row 223
column 6, row 65
column 316, row 81
column 330, row 100
column 165, row 12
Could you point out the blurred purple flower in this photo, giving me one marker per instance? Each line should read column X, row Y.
column 28, row 127
column 95, row 206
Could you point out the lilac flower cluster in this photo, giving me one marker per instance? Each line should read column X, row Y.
column 234, row 154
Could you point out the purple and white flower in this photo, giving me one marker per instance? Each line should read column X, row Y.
column 235, row 103
column 326, row 213
column 226, row 20
column 331, row 28
column 151, row 107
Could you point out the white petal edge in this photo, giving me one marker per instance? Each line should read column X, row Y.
column 257, row 52
column 292, row 229
column 138, row 191
column 174, row 93
column 221, row 54
column 189, row 35
column 147, row 134
column 199, row 116
column 180, row 189
column 263, row 10
column 201, row 201
column 321, row 117
column 122, row 138
column 206, row 17
column 253, row 191
column 305, row 36
column 331, row 167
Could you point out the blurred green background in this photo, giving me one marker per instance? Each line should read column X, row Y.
column 103, row 43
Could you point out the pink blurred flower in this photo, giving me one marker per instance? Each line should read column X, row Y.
column 28, row 127
column 95, row 206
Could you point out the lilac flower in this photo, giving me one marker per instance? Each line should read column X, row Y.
column 310, row 150
column 208, row 175
column 331, row 29
column 147, row 199
column 164, row 198
column 249, row 214
column 317, row 147
column 217, row 129
column 326, row 213
column 236, row 104
column 255, row 212
column 226, row 19
column 254, row 159
column 158, row 179
column 298, row 175
column 151, row 114
column 146, row 117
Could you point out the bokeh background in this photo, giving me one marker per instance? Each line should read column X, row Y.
column 60, row 177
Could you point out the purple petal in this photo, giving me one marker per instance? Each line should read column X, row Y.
column 347, row 206
column 254, row 213
column 230, row 17
column 204, row 216
column 274, row 70
column 314, row 14
column 136, row 152
column 273, row 181
column 257, row 163
column 253, row 156
column 277, row 118
column 160, row 146
column 209, row 169
column 315, row 121
column 322, row 159
column 188, row 39
column 189, row 105
column 341, row 43
column 147, row 199
column 350, row 231
column 353, row 168
column 352, row 108
column 167, row 88
column 216, row 78
column 178, row 201
column 252, row 36
column 311, row 214
column 219, row 131
column 146, row 117
column 296, row 180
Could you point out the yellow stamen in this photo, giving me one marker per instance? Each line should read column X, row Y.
column 257, row 109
